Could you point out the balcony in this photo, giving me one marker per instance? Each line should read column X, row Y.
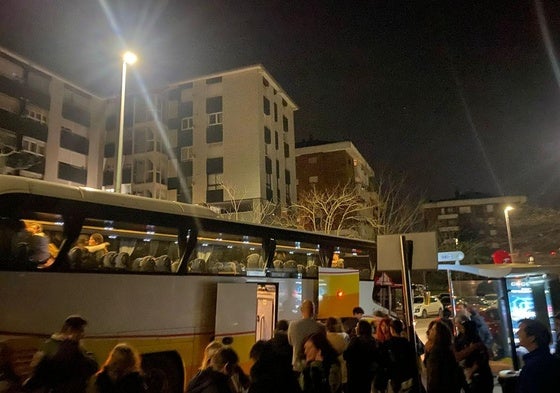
column 23, row 126
column 76, row 114
column 18, row 89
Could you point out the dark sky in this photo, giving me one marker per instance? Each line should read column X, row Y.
column 458, row 95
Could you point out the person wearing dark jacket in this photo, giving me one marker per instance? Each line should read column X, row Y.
column 541, row 369
column 217, row 377
column 121, row 373
column 361, row 359
column 402, row 366
column 62, row 365
column 269, row 374
column 443, row 373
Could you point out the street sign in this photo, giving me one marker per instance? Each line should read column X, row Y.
column 450, row 256
column 384, row 279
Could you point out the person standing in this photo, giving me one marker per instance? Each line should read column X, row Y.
column 403, row 366
column 299, row 330
column 540, row 370
column 339, row 341
column 63, row 365
column 217, row 377
column 361, row 359
column 121, row 373
column 322, row 370
column 443, row 373
column 473, row 357
column 280, row 343
column 557, row 329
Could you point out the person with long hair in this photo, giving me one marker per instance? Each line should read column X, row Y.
column 382, row 335
column 443, row 373
column 121, row 372
column 217, row 377
column 472, row 355
column 322, row 370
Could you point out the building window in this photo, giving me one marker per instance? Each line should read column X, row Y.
column 491, row 221
column 8, row 141
column 214, row 118
column 285, row 123
column 211, row 81
column 265, row 82
column 493, row 232
column 464, row 209
column 313, row 179
column 489, row 208
column 36, row 115
column 187, row 153
column 267, row 135
column 275, row 112
column 185, row 138
column 286, row 150
column 214, row 134
column 276, row 139
column 187, row 123
column 33, row 146
column 266, row 106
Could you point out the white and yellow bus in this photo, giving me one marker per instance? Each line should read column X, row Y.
column 174, row 277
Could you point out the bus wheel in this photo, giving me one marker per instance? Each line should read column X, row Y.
column 163, row 372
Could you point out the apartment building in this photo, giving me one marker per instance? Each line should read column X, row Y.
column 50, row 128
column 327, row 165
column 226, row 140
column 473, row 217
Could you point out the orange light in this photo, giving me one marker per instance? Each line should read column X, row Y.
column 339, row 293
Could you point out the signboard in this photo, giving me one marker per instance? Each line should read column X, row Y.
column 424, row 255
column 384, row 279
column 450, row 256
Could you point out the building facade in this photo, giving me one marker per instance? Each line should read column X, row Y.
column 330, row 165
column 473, row 218
column 226, row 140
column 50, row 128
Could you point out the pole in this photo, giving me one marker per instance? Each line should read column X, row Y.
column 118, row 168
column 506, row 213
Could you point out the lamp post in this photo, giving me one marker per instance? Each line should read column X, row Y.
column 128, row 58
column 506, row 214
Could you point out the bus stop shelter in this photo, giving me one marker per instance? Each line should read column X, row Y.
column 524, row 291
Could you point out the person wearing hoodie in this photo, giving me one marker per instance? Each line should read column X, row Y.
column 63, row 365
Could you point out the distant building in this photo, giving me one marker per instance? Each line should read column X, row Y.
column 327, row 165
column 225, row 139
column 471, row 217
column 51, row 120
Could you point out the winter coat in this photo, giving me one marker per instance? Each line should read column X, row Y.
column 209, row 381
column 129, row 383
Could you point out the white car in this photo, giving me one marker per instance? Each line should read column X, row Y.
column 423, row 309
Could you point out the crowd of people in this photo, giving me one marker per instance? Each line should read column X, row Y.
column 305, row 356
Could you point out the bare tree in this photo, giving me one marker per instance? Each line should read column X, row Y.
column 16, row 159
column 241, row 208
column 398, row 208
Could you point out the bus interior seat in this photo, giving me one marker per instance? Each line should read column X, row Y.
column 175, row 266
column 254, row 261
column 290, row 264
column 109, row 259
column 148, row 264
column 163, row 264
column 122, row 260
column 198, row 265
column 278, row 264
column 312, row 271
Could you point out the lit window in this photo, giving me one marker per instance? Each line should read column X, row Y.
column 187, row 123
column 214, row 118
column 313, row 179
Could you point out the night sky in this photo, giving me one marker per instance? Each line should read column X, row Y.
column 458, row 95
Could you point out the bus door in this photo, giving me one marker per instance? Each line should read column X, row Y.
column 236, row 308
column 266, row 311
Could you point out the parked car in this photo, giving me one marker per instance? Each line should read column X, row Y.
column 423, row 309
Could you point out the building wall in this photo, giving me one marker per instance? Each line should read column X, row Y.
column 482, row 218
column 52, row 119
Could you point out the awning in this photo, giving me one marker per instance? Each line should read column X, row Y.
column 508, row 270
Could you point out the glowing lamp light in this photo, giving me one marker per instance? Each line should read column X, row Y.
column 339, row 293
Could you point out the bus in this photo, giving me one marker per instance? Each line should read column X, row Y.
column 174, row 276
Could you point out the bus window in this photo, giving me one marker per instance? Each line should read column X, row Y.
column 220, row 253
column 296, row 259
column 119, row 245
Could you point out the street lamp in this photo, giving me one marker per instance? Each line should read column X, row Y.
column 506, row 214
column 128, row 58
